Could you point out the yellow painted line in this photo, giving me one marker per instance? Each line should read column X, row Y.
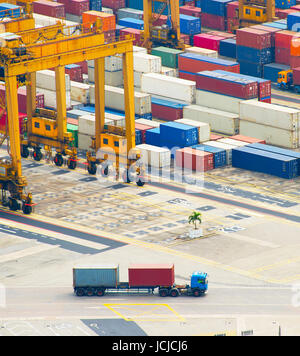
column 155, row 306
column 276, row 265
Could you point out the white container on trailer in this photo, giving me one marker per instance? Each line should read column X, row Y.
column 272, row 135
column 277, row 116
column 203, row 128
column 219, row 121
column 169, row 87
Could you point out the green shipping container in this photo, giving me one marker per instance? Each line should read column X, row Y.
column 74, row 130
column 169, row 56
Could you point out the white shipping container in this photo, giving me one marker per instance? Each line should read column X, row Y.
column 152, row 123
column 112, row 63
column 137, row 79
column 202, row 51
column 277, row 116
column 272, row 135
column 50, row 98
column 114, row 79
column 171, row 72
column 169, row 87
column 116, row 120
column 44, row 21
column 114, row 99
column 80, row 92
column 86, row 124
column 219, row 121
column 153, row 156
column 45, row 79
column 146, row 63
column 84, row 141
column 218, row 101
column 224, row 146
column 203, row 128
column 232, row 142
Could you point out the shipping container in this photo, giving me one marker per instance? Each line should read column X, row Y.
column 132, row 23
column 232, row 10
column 202, row 51
column 195, row 160
column 215, row 7
column 247, row 139
column 45, row 79
column 146, row 63
column 142, row 128
column 132, row 13
column 253, row 55
column 152, row 123
column 154, row 156
column 166, row 109
column 173, row 134
column 75, row 72
column 272, row 135
column 153, row 137
column 230, row 141
column 271, row 30
column 50, row 98
column 9, row 10
column 224, row 146
column 278, row 116
column 219, row 154
column 75, row 7
column 137, row 41
column 114, row 4
column 224, row 83
column 4, row 123
column 271, row 71
column 213, row 21
column 203, row 128
column 95, row 276
column 251, row 68
column 108, row 20
column 251, row 37
column 228, row 48
column 220, row 121
column 173, row 88
column 265, row 162
column 49, row 8
column 169, row 56
column 190, row 10
column 80, row 92
column 140, row 275
column 208, row 41
column 190, row 25
column 282, row 55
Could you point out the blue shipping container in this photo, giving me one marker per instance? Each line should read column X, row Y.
column 271, row 71
column 284, row 4
column 278, row 150
column 253, row 55
column 176, row 134
column 253, row 69
column 220, row 157
column 153, row 137
column 190, row 25
column 169, row 103
column 228, row 48
column 280, row 26
column 96, row 5
column 265, row 162
column 132, row 23
column 138, row 137
column 293, row 21
column 215, row 7
column 9, row 10
column 95, row 276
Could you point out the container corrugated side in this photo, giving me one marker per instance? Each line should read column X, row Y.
column 169, row 87
column 236, row 143
column 151, row 275
column 45, row 79
column 224, row 146
column 271, row 115
column 146, row 63
column 202, row 51
column 80, row 92
column 220, row 121
column 177, row 134
column 96, row 276
column 154, row 156
column 264, row 162
column 203, row 128
column 272, row 135
column 220, row 158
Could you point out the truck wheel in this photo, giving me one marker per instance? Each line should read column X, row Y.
column 196, row 293
column 163, row 292
column 90, row 292
column 80, row 292
column 100, row 292
column 174, row 293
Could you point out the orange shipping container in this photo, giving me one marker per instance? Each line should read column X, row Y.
column 108, row 20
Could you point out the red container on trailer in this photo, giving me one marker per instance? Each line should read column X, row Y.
column 207, row 41
column 190, row 11
column 213, row 21
column 251, row 37
column 143, row 128
column 233, row 10
column 195, row 160
column 152, row 275
column 49, row 8
column 245, row 90
column 296, row 75
column 247, row 139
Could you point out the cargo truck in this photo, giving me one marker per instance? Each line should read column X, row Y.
column 288, row 81
column 146, row 278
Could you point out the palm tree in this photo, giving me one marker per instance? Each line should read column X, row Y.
column 195, row 218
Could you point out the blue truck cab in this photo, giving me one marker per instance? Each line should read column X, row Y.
column 199, row 282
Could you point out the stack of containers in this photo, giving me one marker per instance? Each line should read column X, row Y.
column 295, row 52
column 45, row 84
column 224, row 146
column 137, row 41
column 189, row 64
column 227, row 84
column 265, row 162
column 195, row 160
column 232, row 18
column 277, row 125
column 113, row 71
column 144, row 63
column 49, row 8
column 253, row 50
column 153, row 137
column 142, row 128
column 75, row 8
column 228, row 47
column 219, row 154
column 263, row 85
column 169, row 56
column 283, row 45
column 167, row 110
column 156, row 157
column 108, row 23
column 114, row 4
column 293, row 21
column 214, row 14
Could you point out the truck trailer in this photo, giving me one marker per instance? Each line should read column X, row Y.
column 98, row 280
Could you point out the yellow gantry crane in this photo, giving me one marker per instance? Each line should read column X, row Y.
column 166, row 35
column 252, row 12
column 19, row 22
column 112, row 146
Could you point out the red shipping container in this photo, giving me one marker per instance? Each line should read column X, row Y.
column 266, row 100
column 225, row 35
column 294, row 63
column 214, row 137
column 161, row 20
column 185, row 38
column 166, row 113
column 143, row 128
column 283, row 13
column 213, row 21
column 247, row 139
column 207, row 41
column 296, row 75
column 283, row 39
column 271, row 30
column 3, row 123
column 192, row 65
column 75, row 73
column 196, row 160
column 264, row 89
column 233, row 10
column 253, row 38
column 49, row 8
column 245, row 90
column 190, row 11
column 76, row 7
column 282, row 55
column 133, row 32
column 151, row 275
column 187, row 75
column 84, row 67
column 110, row 36
column 114, row 4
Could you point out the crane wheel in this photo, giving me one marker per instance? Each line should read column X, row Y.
column 72, row 164
column 92, row 168
column 25, row 152
column 13, row 205
column 37, row 155
column 58, row 160
column 27, row 209
column 140, row 182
